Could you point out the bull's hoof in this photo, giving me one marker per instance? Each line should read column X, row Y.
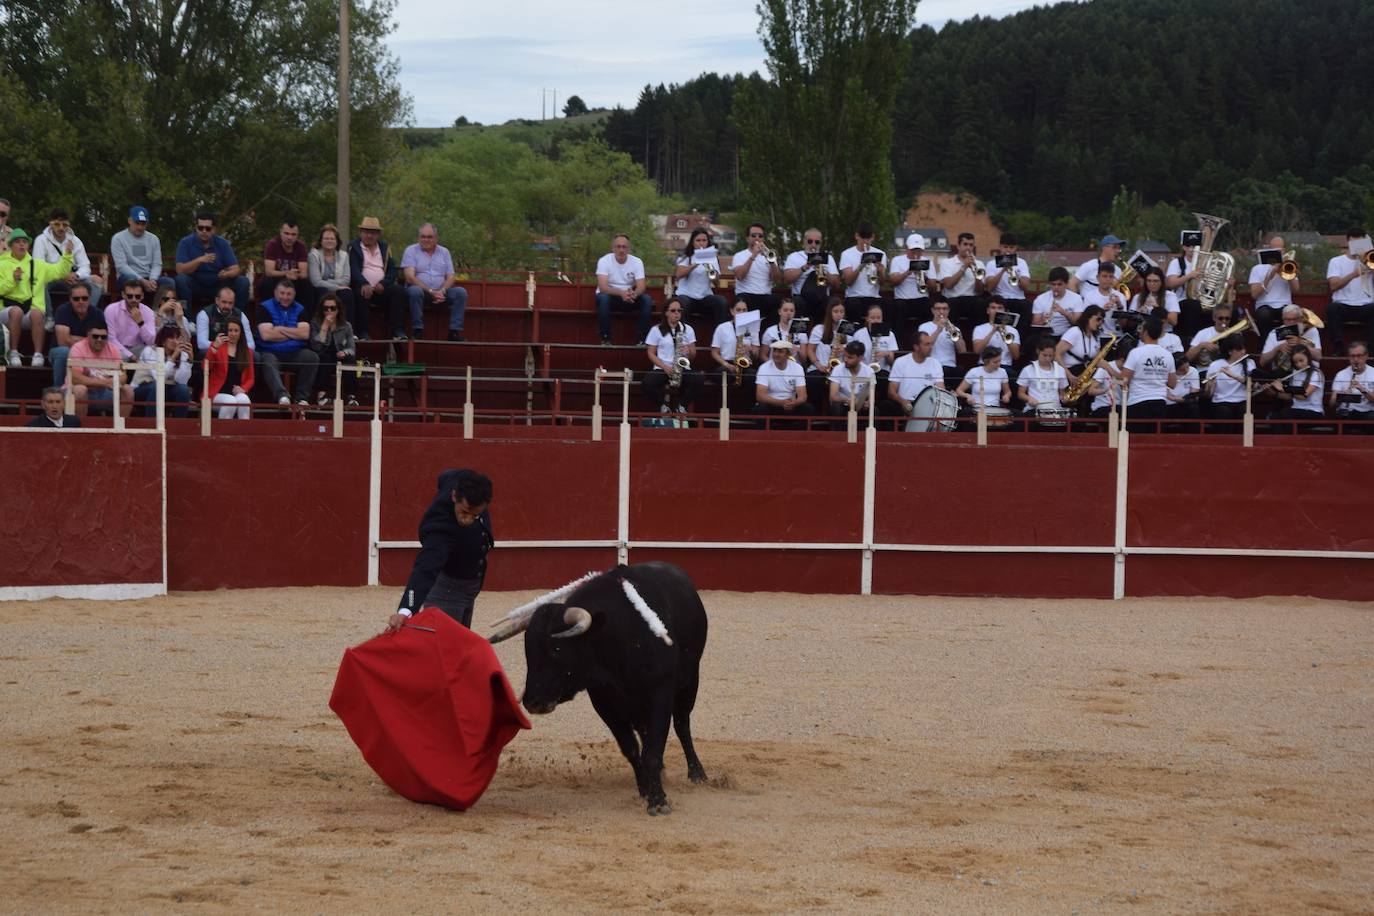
column 660, row 808
column 697, row 775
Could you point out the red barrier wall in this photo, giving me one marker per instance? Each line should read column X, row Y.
column 81, row 508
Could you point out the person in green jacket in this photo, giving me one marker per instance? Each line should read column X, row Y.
column 22, row 282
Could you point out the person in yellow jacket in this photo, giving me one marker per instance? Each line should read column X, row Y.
column 22, row 282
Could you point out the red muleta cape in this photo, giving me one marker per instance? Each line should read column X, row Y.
column 430, row 711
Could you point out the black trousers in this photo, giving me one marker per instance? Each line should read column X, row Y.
column 906, row 315
column 1145, row 410
column 1266, row 319
column 1217, row 410
column 713, row 306
column 1022, row 307
column 772, row 410
column 324, row 378
column 856, row 307
column 1338, row 313
column 767, row 303
column 812, row 300
column 656, row 388
column 392, row 297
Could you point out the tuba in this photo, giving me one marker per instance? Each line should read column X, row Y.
column 1215, row 267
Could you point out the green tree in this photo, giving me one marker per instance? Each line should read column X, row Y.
column 816, row 140
column 574, row 106
column 223, row 104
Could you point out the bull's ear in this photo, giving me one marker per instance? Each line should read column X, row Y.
column 579, row 620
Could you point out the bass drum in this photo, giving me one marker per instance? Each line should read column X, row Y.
column 933, row 409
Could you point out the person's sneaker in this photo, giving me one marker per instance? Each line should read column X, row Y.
column 14, row 360
column 456, row 336
column 302, row 402
column 605, row 341
column 322, row 400
column 37, row 361
column 352, row 402
column 682, row 410
column 284, row 401
column 663, row 409
column 398, row 335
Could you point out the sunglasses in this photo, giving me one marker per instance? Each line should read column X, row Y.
column 100, row 337
column 133, row 297
column 331, row 308
column 78, row 298
column 205, row 228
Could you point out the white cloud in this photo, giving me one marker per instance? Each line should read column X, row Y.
column 490, row 62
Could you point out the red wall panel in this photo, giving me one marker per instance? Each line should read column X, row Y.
column 1020, row 495
column 96, row 516
column 253, row 512
column 818, row 572
column 1023, row 574
column 514, row 568
column 1250, row 577
column 1218, row 496
column 707, row 490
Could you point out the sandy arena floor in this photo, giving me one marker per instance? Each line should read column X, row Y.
column 881, row 755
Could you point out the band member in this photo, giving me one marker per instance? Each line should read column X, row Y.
column 1105, row 295
column 1352, row 292
column 1183, row 397
column 914, row 373
column 985, row 385
column 1201, row 349
column 911, row 288
column 1086, row 277
column 1300, row 393
column 784, row 329
column 1227, row 379
column 851, row 382
column 862, row 268
column 694, row 280
column 1169, row 340
column 1354, row 379
column 455, row 536
column 962, row 288
column 729, row 343
column 1276, row 350
column 1182, row 270
column 878, row 348
column 1081, row 342
column 1012, row 283
column 1043, row 382
column 811, row 290
column 1058, row 307
column 1271, row 292
column 670, row 340
column 620, row 285
column 946, row 350
column 755, row 275
column 1106, row 384
column 824, row 344
column 1148, row 373
column 998, row 335
column 780, row 387
column 1153, row 295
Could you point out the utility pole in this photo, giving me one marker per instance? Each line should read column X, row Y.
column 344, row 176
column 543, row 97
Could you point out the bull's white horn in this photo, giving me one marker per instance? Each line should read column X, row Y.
column 580, row 620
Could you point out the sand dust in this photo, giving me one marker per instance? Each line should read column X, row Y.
column 880, row 755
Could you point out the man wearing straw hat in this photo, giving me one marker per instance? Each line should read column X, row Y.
column 373, row 281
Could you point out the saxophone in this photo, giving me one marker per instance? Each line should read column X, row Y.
column 680, row 360
column 742, row 362
column 1216, row 267
column 837, row 343
column 1085, row 378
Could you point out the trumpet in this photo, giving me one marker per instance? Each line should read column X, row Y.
column 769, row 255
column 712, row 272
column 1007, row 336
column 1368, row 260
column 952, row 332
column 921, row 283
column 980, row 272
column 1288, row 269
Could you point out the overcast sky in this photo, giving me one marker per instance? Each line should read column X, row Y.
column 489, row 62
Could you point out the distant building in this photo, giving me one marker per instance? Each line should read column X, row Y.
column 936, row 239
column 672, row 230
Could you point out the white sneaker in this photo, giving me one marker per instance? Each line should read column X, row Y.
column 663, row 409
column 323, row 400
column 14, row 360
column 284, row 401
column 37, row 362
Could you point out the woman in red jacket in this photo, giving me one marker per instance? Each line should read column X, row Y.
column 230, row 372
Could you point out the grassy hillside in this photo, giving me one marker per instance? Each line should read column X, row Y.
column 535, row 134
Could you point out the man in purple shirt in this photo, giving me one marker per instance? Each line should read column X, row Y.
column 429, row 279
column 286, row 257
column 132, row 324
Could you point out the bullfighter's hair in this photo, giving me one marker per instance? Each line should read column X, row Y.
column 655, row 623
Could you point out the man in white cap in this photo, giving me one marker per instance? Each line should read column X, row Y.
column 137, row 254
column 913, row 279
column 780, row 387
column 373, row 280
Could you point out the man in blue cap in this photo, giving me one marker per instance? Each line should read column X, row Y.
column 137, row 254
column 1086, row 275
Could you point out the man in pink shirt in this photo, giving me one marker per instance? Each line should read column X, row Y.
column 373, row 280
column 91, row 383
column 132, row 324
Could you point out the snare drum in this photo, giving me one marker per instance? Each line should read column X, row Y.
column 933, row 409
column 1053, row 416
column 998, row 417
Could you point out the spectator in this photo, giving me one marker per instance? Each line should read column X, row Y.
column 5, row 228
column 177, row 361
column 22, row 282
column 205, row 262
column 328, row 267
column 93, row 383
column 230, row 370
column 137, row 254
column 285, row 257
column 331, row 337
column 49, row 247
column 211, row 322
column 74, row 319
column 372, row 278
column 172, row 314
column 429, row 277
column 620, row 285
column 52, row 416
column 132, row 324
column 284, row 339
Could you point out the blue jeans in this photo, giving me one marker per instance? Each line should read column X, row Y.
column 455, row 296
column 58, row 357
column 191, row 291
column 176, row 394
column 643, row 303
column 162, row 281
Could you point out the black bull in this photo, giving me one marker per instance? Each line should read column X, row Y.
column 596, row 640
